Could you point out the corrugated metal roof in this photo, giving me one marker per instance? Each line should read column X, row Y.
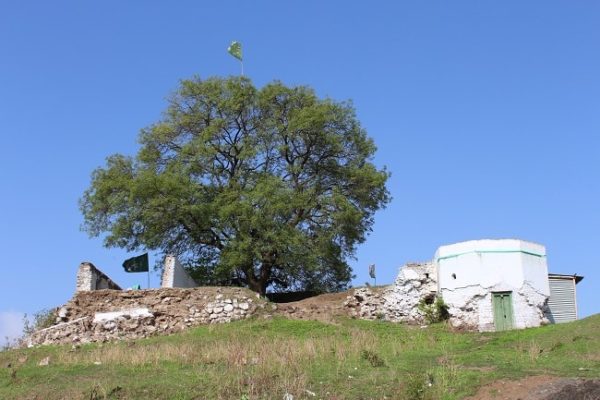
column 578, row 278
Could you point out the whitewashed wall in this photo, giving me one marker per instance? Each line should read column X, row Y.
column 469, row 272
column 174, row 275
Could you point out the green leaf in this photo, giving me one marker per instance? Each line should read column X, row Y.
column 264, row 188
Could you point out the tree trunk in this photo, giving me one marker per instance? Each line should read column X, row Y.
column 257, row 286
column 259, row 283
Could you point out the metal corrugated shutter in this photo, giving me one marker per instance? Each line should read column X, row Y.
column 562, row 300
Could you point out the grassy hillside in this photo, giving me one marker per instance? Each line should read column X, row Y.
column 265, row 359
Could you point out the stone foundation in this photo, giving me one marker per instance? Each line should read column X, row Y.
column 106, row 315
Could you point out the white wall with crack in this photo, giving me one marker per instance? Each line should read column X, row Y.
column 470, row 273
column 487, row 285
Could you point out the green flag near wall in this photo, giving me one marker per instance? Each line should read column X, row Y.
column 235, row 49
column 136, row 264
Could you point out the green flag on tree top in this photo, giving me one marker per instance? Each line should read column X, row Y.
column 235, row 49
column 136, row 264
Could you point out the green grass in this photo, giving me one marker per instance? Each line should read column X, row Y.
column 264, row 359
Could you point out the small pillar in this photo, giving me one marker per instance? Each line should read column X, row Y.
column 91, row 278
column 175, row 276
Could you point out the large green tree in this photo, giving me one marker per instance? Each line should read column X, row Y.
column 265, row 188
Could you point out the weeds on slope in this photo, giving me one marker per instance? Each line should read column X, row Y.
column 268, row 359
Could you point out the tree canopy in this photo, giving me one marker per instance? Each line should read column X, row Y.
column 264, row 188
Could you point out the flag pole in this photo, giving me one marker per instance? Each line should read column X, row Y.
column 372, row 274
column 235, row 49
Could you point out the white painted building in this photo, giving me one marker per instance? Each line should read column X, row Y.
column 487, row 285
column 494, row 284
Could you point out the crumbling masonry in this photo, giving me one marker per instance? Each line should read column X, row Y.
column 486, row 284
column 469, row 277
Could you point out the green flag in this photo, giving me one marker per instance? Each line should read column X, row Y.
column 136, row 264
column 235, row 49
column 372, row 271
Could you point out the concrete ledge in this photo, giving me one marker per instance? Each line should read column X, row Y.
column 131, row 313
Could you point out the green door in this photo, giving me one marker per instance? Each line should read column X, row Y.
column 503, row 311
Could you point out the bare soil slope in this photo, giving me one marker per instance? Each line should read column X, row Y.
column 542, row 387
column 324, row 307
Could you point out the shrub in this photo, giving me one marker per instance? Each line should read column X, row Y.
column 415, row 387
column 434, row 310
column 42, row 319
column 372, row 358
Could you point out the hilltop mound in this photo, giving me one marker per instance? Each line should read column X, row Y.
column 259, row 358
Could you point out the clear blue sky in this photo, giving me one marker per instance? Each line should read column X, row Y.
column 486, row 113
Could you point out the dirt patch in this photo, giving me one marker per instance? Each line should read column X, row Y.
column 542, row 387
column 577, row 389
column 326, row 298
column 324, row 307
column 330, row 306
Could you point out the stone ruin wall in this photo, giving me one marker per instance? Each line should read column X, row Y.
column 397, row 302
column 97, row 315
column 470, row 307
column 101, row 311
column 91, row 278
column 106, row 315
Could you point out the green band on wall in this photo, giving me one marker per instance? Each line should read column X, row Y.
column 491, row 251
